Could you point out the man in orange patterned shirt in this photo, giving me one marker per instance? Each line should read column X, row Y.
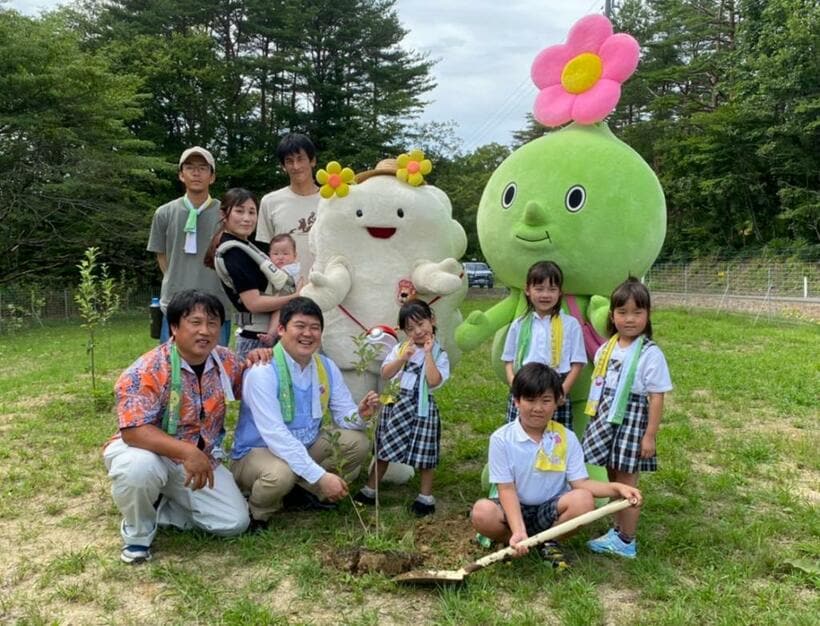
column 171, row 410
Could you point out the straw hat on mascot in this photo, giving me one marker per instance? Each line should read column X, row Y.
column 381, row 238
column 578, row 196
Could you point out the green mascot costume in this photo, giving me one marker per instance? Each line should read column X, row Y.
column 577, row 196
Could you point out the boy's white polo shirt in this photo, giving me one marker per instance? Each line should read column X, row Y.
column 512, row 460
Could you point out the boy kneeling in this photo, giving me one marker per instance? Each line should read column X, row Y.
column 538, row 466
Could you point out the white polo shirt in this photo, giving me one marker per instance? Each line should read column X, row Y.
column 651, row 375
column 512, row 460
column 408, row 380
column 572, row 342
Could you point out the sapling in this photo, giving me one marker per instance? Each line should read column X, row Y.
column 366, row 353
column 337, row 459
column 97, row 300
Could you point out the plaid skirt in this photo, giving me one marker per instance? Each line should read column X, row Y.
column 405, row 437
column 618, row 446
column 563, row 414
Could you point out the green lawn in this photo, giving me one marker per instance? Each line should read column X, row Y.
column 730, row 533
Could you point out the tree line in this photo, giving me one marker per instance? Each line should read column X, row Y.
column 97, row 100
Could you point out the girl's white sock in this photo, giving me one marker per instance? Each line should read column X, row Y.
column 425, row 499
column 370, row 493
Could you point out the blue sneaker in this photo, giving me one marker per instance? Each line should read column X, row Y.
column 611, row 543
column 133, row 554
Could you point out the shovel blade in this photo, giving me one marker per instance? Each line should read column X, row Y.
column 431, row 577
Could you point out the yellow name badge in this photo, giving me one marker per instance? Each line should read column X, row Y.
column 552, row 453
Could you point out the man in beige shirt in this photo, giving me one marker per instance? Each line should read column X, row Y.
column 292, row 209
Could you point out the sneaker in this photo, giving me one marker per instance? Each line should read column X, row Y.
column 134, row 555
column 551, row 553
column 422, row 510
column 611, row 543
column 363, row 498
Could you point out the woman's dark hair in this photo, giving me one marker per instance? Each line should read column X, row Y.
column 301, row 306
column 637, row 291
column 231, row 198
column 415, row 311
column 550, row 272
column 294, row 143
column 534, row 380
column 184, row 302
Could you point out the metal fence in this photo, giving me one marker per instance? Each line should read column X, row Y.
column 792, row 279
column 23, row 307
column 779, row 287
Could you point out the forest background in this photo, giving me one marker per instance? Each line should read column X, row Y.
column 97, row 100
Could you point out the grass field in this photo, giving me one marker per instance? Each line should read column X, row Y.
column 730, row 533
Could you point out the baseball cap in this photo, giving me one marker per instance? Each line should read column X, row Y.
column 205, row 154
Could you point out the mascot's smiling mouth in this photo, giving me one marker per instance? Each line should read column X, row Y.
column 531, row 239
column 380, row 232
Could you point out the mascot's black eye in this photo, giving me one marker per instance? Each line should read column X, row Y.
column 575, row 198
column 359, row 213
column 400, row 212
column 508, row 197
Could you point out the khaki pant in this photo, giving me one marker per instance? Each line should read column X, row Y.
column 268, row 479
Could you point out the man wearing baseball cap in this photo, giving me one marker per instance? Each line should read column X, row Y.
column 181, row 232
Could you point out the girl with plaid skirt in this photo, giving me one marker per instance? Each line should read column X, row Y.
column 545, row 335
column 625, row 403
column 409, row 429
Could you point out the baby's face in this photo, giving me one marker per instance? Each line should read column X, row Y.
column 282, row 253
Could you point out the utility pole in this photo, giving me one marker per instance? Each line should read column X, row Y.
column 608, row 8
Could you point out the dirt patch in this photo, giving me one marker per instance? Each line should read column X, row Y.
column 453, row 539
column 620, row 604
column 364, row 561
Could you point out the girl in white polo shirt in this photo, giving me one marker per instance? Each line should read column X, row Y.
column 545, row 335
column 626, row 403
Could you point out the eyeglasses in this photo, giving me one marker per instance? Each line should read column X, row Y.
column 199, row 169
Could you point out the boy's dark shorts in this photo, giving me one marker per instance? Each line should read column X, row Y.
column 537, row 517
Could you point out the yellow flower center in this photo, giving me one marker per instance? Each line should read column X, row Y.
column 582, row 72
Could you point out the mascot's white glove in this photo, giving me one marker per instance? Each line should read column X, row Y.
column 329, row 288
column 442, row 278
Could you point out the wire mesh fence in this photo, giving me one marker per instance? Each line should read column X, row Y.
column 786, row 287
column 26, row 306
column 793, row 279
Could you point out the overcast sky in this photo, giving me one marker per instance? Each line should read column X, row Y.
column 484, row 49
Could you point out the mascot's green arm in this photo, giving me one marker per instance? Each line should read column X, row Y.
column 598, row 314
column 481, row 325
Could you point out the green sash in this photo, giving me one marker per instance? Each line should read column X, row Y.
column 626, row 378
column 525, row 340
column 170, row 420
column 286, row 384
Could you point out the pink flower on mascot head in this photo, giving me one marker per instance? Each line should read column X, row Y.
column 581, row 80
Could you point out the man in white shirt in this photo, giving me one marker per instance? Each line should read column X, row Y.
column 292, row 209
column 280, row 441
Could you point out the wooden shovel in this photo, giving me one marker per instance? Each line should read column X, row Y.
column 435, row 577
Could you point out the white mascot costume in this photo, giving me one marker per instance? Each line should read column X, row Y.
column 377, row 243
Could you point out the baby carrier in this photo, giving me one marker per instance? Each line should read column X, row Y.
column 279, row 281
